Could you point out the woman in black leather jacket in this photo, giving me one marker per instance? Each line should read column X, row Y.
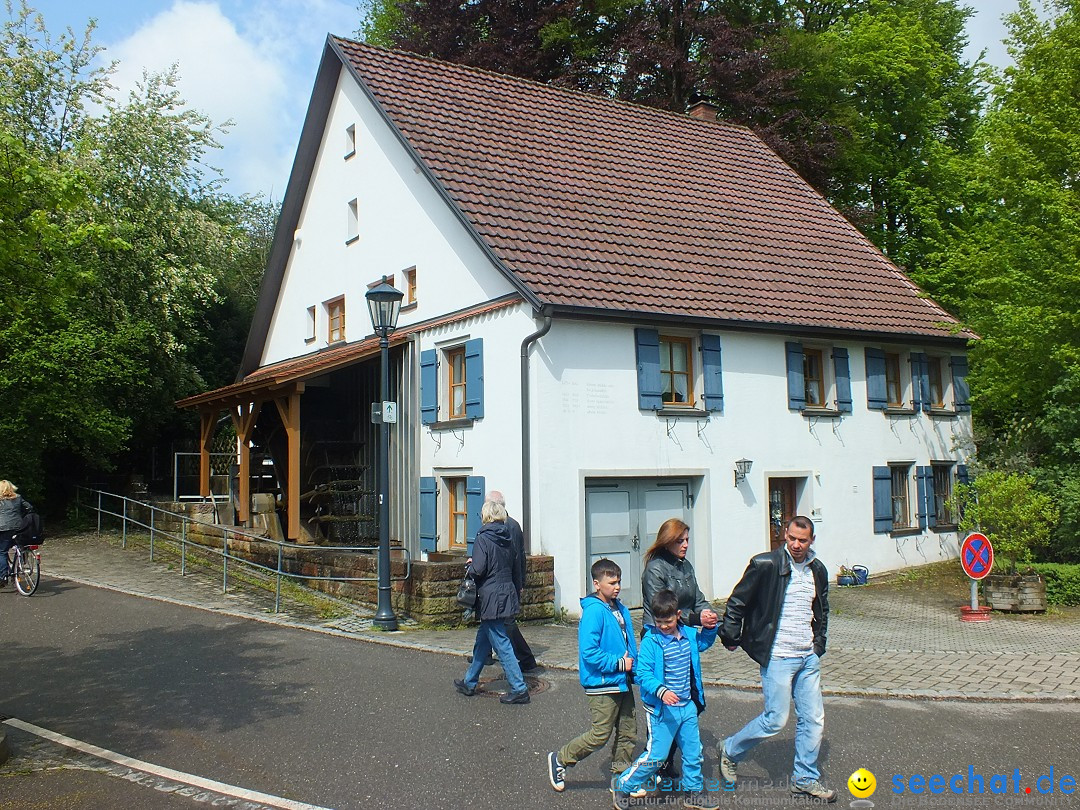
column 666, row 568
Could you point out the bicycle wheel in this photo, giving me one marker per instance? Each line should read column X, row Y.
column 27, row 571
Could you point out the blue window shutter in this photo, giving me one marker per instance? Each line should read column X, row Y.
column 877, row 399
column 920, row 381
column 842, row 372
column 474, row 378
column 882, row 500
column 962, row 476
column 650, row 397
column 711, row 373
column 429, row 514
column 924, row 480
column 961, row 392
column 796, row 382
column 429, row 386
column 474, row 502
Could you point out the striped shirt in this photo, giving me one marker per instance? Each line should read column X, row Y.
column 677, row 665
column 794, row 634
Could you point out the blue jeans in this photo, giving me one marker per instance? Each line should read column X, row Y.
column 666, row 725
column 782, row 680
column 6, row 538
column 488, row 635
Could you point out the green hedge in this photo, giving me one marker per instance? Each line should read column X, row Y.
column 1062, row 582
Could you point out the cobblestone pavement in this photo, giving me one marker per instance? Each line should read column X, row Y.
column 885, row 642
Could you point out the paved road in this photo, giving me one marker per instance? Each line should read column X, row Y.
column 883, row 642
column 342, row 723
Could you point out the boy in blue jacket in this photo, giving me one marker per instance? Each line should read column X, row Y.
column 669, row 675
column 606, row 652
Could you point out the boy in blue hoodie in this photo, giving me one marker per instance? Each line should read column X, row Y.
column 669, row 675
column 606, row 652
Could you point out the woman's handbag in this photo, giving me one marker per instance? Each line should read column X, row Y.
column 466, row 592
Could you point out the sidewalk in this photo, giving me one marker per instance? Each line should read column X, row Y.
column 883, row 642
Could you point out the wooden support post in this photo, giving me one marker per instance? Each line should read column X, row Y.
column 207, row 422
column 289, row 408
column 244, row 416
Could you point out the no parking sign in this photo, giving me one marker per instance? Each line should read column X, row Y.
column 977, row 555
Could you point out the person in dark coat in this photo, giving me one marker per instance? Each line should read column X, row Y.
column 667, row 569
column 498, row 584
column 13, row 509
column 525, row 658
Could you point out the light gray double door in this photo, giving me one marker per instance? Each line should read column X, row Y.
column 622, row 516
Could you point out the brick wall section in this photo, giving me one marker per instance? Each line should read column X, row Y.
column 428, row 595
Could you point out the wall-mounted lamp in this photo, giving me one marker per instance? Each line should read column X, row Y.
column 742, row 469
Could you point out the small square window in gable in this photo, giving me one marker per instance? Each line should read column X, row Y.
column 410, row 286
column 353, row 227
column 350, row 141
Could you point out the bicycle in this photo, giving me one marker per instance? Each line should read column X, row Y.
column 24, row 565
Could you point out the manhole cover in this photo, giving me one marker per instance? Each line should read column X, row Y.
column 498, row 686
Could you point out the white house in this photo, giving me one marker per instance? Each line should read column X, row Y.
column 609, row 309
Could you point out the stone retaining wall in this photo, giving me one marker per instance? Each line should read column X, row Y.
column 428, row 595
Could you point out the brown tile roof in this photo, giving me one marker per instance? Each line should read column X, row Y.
column 603, row 204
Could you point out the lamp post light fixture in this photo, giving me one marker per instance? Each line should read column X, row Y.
column 384, row 303
column 742, row 469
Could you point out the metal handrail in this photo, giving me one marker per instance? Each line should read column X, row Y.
column 226, row 531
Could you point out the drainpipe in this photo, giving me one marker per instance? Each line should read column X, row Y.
column 526, row 442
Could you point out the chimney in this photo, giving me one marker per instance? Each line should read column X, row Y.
column 704, row 110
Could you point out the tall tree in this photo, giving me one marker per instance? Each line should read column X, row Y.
column 115, row 247
column 1010, row 262
column 908, row 103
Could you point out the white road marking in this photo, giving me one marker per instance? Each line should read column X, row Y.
column 158, row 770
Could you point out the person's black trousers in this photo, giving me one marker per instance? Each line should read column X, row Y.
column 524, row 653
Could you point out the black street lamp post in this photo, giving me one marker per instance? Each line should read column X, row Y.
column 384, row 302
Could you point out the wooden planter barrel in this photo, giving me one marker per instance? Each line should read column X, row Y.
column 1031, row 594
column 1002, row 592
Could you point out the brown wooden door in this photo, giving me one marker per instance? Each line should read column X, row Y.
column 781, row 508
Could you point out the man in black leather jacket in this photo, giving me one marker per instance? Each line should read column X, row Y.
column 779, row 614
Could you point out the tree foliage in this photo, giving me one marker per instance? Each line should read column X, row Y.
column 125, row 275
column 1009, row 510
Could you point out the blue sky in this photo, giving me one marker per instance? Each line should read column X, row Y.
column 254, row 61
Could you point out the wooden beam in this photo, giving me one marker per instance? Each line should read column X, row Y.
column 289, row 409
column 244, row 415
column 207, row 422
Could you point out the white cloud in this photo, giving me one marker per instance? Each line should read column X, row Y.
column 252, row 62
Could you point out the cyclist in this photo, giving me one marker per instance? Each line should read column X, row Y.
column 13, row 508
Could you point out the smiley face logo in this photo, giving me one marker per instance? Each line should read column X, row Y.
column 862, row 784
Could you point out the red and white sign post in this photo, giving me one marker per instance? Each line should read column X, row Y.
column 977, row 559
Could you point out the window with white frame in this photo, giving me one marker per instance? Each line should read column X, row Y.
column 903, row 516
column 450, row 506
column 943, row 474
column 679, row 371
column 819, row 378
column 353, row 226
column 452, row 382
column 350, row 141
column 676, row 371
column 335, row 320
column 311, row 325
column 457, row 513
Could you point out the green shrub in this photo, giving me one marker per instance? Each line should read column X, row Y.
column 1007, row 508
column 1062, row 582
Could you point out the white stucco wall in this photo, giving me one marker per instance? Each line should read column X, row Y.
column 588, row 424
column 490, row 446
column 403, row 222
